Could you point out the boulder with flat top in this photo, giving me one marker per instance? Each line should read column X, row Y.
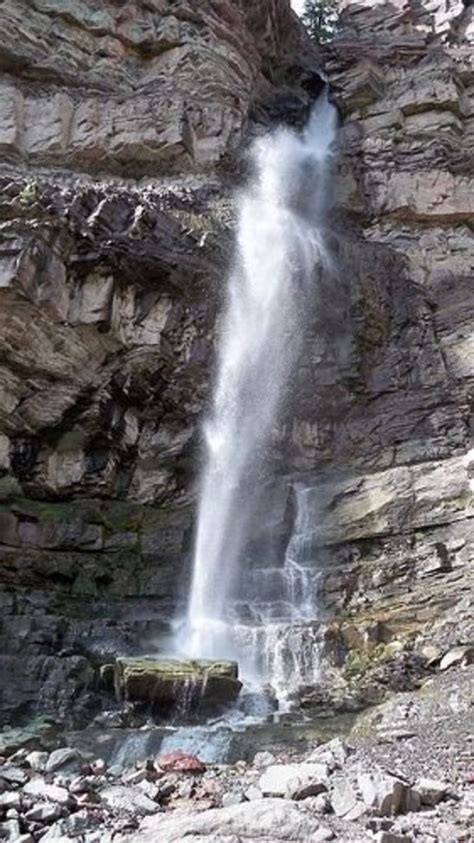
column 168, row 683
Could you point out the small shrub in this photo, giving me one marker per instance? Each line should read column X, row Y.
column 28, row 194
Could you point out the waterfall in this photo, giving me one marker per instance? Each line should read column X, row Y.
column 280, row 243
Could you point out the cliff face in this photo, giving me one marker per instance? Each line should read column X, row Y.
column 400, row 529
column 142, row 87
column 110, row 278
column 109, row 282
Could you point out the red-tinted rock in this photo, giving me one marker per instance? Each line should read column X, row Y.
column 179, row 762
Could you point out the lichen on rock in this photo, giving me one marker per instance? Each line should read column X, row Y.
column 168, row 684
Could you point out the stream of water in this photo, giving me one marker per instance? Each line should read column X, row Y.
column 280, row 244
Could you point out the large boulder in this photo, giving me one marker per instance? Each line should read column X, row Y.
column 267, row 819
column 168, row 683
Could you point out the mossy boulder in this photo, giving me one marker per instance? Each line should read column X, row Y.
column 168, row 684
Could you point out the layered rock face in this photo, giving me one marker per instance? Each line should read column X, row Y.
column 397, row 518
column 141, row 87
column 109, row 277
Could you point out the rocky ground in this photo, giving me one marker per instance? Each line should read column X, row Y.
column 404, row 773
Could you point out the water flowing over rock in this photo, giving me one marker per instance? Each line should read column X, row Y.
column 168, row 684
column 280, row 248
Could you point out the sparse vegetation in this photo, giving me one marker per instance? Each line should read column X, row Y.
column 321, row 19
column 29, row 194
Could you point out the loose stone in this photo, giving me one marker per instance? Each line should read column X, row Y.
column 431, row 791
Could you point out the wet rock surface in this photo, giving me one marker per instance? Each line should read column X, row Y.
column 170, row 684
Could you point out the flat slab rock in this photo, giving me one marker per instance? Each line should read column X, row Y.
column 266, row 819
column 128, row 800
column 40, row 790
column 166, row 682
column 294, row 780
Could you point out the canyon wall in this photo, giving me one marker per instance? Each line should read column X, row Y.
column 396, row 507
column 121, row 131
column 121, row 126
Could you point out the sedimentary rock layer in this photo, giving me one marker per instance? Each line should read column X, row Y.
column 142, row 87
column 110, row 279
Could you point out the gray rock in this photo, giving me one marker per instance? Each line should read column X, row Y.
column 110, row 720
column 270, row 819
column 98, row 836
column 18, row 759
column 98, row 767
column 253, row 792
column 11, row 799
column 288, row 779
column 39, row 789
column 390, row 837
column 115, row 771
column 37, row 760
column 78, row 823
column 73, row 827
column 44, row 813
column 334, row 754
column 263, row 759
column 86, row 784
column 234, row 798
column 150, row 789
column 135, row 776
column 411, row 801
column 431, row 791
column 304, row 787
column 14, row 775
column 166, row 787
column 320, row 804
column 129, row 800
column 56, row 834
column 37, row 734
column 322, row 834
column 382, row 794
column 65, row 760
column 344, row 801
column 10, row 830
column 462, row 655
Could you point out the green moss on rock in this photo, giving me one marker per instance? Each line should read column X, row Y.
column 165, row 682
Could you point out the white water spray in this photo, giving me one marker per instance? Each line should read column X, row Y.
column 280, row 242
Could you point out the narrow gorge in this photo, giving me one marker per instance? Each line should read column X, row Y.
column 236, row 422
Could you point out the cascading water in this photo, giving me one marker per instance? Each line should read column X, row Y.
column 278, row 642
column 280, row 243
